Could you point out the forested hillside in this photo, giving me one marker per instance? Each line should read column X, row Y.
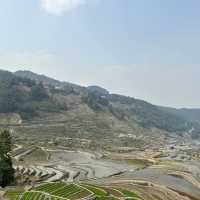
column 23, row 96
column 29, row 95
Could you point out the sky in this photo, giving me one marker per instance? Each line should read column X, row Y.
column 148, row 49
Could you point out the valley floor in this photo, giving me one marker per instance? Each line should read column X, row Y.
column 168, row 173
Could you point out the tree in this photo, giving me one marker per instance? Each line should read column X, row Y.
column 6, row 169
column 38, row 92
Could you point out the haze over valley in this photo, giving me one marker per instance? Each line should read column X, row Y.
column 99, row 100
column 70, row 133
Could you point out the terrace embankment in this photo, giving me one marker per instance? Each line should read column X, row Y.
column 58, row 164
column 140, row 171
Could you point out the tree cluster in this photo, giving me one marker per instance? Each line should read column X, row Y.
column 23, row 96
column 6, row 169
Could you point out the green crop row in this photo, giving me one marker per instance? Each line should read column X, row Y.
column 59, row 191
column 128, row 193
column 49, row 187
column 97, row 191
column 66, row 191
column 32, row 196
column 12, row 195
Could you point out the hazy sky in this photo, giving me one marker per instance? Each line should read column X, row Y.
column 149, row 49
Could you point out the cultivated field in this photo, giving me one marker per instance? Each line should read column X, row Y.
column 62, row 191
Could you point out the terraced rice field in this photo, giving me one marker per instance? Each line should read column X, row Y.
column 49, row 187
column 128, row 193
column 62, row 191
column 96, row 190
column 66, row 191
column 12, row 195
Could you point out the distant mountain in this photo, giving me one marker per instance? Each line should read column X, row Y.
column 185, row 113
column 89, row 111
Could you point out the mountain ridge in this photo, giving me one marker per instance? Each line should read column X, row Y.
column 93, row 110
